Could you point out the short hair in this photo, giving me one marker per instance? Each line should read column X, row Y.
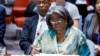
column 61, row 11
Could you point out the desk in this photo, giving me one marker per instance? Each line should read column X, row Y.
column 42, row 54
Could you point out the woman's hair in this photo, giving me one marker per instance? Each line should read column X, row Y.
column 62, row 12
column 95, row 2
column 96, row 13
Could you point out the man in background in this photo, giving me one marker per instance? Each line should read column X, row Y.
column 2, row 25
column 2, row 31
column 34, row 26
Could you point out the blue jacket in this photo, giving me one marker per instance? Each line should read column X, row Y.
column 2, row 25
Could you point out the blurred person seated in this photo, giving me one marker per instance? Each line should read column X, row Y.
column 61, row 37
column 72, row 9
column 2, row 30
column 2, row 25
column 7, row 4
column 92, row 27
column 84, row 7
column 90, row 6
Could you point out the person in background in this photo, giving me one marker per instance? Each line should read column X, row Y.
column 92, row 26
column 2, row 31
column 34, row 26
column 84, row 7
column 90, row 6
column 61, row 37
column 2, row 25
column 72, row 9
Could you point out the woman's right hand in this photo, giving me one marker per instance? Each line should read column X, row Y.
column 97, row 49
column 34, row 51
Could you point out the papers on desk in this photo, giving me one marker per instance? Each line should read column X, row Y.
column 42, row 54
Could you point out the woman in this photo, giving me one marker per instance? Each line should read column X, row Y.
column 92, row 26
column 72, row 9
column 61, row 38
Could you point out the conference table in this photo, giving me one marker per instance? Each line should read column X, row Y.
column 42, row 54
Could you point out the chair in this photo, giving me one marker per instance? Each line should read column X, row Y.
column 8, row 19
column 18, row 10
column 19, row 20
column 19, row 7
column 8, row 54
column 91, row 46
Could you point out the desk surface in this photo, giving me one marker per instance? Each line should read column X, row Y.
column 42, row 54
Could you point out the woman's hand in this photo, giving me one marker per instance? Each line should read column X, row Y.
column 97, row 49
column 34, row 51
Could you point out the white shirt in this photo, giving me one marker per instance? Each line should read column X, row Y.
column 72, row 9
column 41, row 26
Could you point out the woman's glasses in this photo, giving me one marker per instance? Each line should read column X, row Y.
column 56, row 21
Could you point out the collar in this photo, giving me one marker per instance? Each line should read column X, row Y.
column 53, row 33
column 41, row 18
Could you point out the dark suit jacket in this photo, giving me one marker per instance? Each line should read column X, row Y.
column 2, row 25
column 28, row 33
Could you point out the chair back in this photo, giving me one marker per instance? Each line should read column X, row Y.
column 19, row 7
column 91, row 46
